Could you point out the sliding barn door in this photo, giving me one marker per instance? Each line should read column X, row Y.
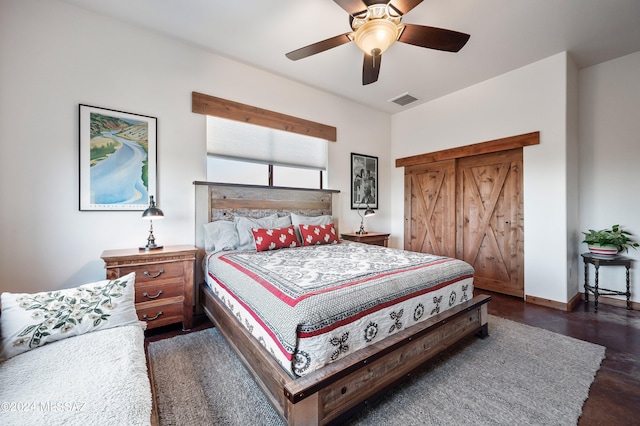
column 430, row 208
column 490, row 220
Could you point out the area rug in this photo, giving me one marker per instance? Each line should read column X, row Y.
column 518, row 375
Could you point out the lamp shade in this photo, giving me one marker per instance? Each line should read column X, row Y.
column 369, row 212
column 152, row 212
column 375, row 36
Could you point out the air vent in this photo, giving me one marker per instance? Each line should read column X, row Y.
column 404, row 99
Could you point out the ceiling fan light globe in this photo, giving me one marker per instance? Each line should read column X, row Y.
column 376, row 36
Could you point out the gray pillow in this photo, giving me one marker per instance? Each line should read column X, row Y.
column 245, row 224
column 220, row 235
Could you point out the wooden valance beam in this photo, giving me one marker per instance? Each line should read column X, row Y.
column 218, row 107
column 496, row 145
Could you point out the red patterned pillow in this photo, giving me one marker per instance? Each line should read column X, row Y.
column 318, row 234
column 276, row 238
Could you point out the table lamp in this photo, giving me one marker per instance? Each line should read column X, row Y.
column 368, row 212
column 152, row 212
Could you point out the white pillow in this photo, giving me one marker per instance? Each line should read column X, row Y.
column 220, row 235
column 31, row 320
column 298, row 220
column 244, row 225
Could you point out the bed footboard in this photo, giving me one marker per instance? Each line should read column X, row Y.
column 330, row 393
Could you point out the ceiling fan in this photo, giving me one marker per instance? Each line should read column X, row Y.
column 377, row 25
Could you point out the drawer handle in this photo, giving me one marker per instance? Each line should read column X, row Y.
column 146, row 318
column 147, row 274
column 145, row 294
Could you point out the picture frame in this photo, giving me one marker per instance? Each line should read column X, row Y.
column 364, row 181
column 118, row 159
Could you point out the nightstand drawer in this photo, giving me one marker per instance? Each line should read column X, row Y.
column 146, row 292
column 154, row 272
column 157, row 315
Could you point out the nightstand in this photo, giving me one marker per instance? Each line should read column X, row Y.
column 164, row 282
column 373, row 238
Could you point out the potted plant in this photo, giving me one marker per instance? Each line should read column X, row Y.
column 608, row 242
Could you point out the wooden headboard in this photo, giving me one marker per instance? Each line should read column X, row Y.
column 224, row 201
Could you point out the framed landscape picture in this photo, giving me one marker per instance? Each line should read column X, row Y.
column 117, row 159
column 364, row 181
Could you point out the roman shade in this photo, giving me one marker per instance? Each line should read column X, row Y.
column 248, row 142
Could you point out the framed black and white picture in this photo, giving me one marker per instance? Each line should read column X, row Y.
column 364, row 181
column 117, row 159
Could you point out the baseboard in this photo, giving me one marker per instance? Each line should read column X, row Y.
column 547, row 302
column 577, row 300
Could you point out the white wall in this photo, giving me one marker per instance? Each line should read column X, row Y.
column 55, row 56
column 532, row 98
column 610, row 157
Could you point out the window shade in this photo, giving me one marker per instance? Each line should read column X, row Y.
column 249, row 142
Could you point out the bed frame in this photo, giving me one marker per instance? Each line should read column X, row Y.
column 334, row 391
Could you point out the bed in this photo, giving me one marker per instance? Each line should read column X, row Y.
column 319, row 369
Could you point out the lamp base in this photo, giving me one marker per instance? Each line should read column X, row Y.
column 361, row 232
column 151, row 240
column 148, row 247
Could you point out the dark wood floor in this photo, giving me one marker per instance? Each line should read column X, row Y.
column 614, row 397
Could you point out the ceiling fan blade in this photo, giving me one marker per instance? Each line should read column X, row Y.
column 404, row 6
column 433, row 38
column 352, row 7
column 370, row 69
column 318, row 47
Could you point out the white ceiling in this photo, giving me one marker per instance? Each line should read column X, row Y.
column 505, row 35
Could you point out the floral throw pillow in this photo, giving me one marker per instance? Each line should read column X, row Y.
column 31, row 320
column 275, row 238
column 318, row 234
